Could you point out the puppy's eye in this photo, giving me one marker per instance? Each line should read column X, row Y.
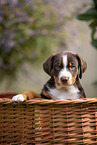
column 58, row 66
column 72, row 67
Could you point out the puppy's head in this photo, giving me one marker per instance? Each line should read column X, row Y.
column 65, row 67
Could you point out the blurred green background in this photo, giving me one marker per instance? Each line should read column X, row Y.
column 31, row 30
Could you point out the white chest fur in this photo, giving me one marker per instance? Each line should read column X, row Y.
column 70, row 92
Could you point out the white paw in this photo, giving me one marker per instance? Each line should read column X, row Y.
column 18, row 98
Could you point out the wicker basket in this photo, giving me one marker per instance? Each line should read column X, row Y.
column 8, row 94
column 49, row 122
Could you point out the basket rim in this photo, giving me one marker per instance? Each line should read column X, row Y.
column 45, row 101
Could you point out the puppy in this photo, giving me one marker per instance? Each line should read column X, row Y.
column 65, row 70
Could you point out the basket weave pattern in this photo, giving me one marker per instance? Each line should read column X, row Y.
column 48, row 122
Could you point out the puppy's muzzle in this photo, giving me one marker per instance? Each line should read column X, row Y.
column 64, row 80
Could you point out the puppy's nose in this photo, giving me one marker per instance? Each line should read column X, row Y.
column 64, row 79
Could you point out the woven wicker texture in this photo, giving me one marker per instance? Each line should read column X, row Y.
column 49, row 122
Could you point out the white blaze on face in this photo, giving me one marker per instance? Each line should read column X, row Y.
column 65, row 72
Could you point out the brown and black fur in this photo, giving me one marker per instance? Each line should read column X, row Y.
column 48, row 67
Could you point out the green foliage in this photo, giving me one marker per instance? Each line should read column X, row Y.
column 28, row 31
column 95, row 83
column 91, row 15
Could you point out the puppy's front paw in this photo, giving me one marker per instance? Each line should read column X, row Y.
column 18, row 98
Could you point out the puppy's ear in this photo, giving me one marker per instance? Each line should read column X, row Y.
column 82, row 66
column 48, row 65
